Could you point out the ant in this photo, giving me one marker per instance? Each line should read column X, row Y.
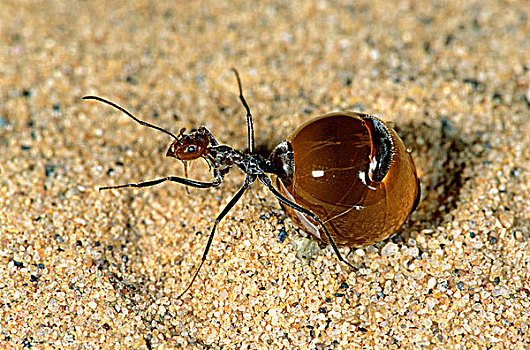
column 201, row 143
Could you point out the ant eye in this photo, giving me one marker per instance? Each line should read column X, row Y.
column 191, row 149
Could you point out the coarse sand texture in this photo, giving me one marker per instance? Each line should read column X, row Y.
column 88, row 269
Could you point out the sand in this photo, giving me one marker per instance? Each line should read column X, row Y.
column 82, row 269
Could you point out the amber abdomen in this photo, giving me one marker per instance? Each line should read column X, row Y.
column 355, row 173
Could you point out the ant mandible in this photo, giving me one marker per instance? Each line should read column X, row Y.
column 200, row 143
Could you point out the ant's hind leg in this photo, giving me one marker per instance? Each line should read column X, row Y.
column 265, row 180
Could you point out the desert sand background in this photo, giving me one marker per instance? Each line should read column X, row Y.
column 82, row 269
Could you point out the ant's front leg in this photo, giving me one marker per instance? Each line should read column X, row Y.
column 180, row 180
column 218, row 178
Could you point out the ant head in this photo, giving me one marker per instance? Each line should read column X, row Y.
column 189, row 146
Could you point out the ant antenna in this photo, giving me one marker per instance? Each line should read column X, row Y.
column 129, row 114
column 249, row 115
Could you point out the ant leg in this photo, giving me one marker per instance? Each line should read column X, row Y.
column 250, row 124
column 180, row 180
column 265, row 180
column 229, row 206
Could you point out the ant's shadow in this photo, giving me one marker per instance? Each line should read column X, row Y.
column 441, row 153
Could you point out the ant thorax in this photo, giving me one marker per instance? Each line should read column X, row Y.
column 251, row 164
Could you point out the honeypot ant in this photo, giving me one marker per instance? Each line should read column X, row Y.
column 202, row 144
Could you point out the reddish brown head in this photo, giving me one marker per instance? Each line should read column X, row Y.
column 189, row 146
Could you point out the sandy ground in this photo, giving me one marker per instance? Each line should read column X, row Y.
column 82, row 269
